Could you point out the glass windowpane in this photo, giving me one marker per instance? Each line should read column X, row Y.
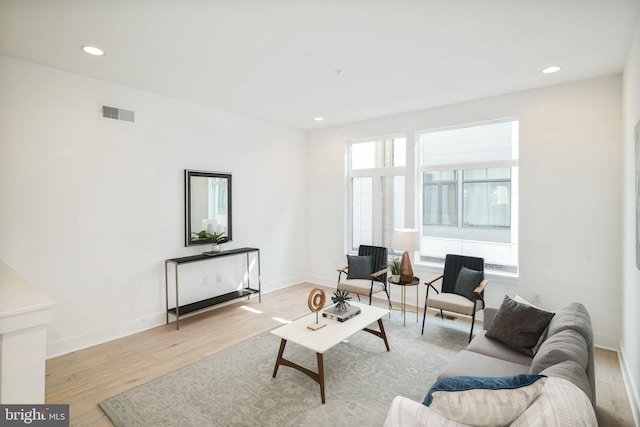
column 487, row 204
column 399, row 152
column 392, row 207
column 449, row 204
column 363, row 155
column 362, row 206
column 430, row 202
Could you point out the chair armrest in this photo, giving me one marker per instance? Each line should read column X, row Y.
column 430, row 283
column 343, row 269
column 481, row 287
column 435, row 279
column 379, row 273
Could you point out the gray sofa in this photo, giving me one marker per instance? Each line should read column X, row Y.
column 564, row 354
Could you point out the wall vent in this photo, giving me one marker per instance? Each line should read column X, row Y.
column 116, row 113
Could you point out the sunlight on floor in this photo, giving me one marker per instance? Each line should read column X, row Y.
column 281, row 320
column 251, row 309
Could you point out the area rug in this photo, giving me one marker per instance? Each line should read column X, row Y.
column 235, row 386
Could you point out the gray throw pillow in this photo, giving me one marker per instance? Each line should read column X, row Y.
column 518, row 325
column 359, row 267
column 467, row 281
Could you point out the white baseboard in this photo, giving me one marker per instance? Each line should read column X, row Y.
column 631, row 386
column 110, row 333
column 324, row 281
column 606, row 341
column 113, row 332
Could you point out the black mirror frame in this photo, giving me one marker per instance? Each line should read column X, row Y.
column 188, row 174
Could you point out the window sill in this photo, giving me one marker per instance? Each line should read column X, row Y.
column 499, row 276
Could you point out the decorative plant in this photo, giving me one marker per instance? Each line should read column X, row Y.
column 394, row 266
column 216, row 238
column 340, row 298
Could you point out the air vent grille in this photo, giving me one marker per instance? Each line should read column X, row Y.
column 116, row 113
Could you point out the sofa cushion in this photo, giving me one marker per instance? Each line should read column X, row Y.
column 468, row 280
column 405, row 412
column 518, row 325
column 560, row 403
column 576, row 317
column 573, row 316
column 359, row 267
column 565, row 345
column 570, row 371
column 494, row 348
column 470, row 363
column 484, row 401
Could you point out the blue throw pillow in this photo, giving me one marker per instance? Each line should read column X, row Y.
column 359, row 267
column 484, row 401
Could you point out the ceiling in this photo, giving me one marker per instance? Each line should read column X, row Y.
column 289, row 61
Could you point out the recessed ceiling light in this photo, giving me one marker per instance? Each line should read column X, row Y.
column 550, row 70
column 92, row 50
column 318, row 119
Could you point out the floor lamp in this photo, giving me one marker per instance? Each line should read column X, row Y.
column 407, row 240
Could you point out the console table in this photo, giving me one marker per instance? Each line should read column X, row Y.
column 219, row 299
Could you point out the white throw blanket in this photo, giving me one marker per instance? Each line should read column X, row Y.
column 559, row 403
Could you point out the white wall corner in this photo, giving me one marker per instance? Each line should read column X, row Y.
column 631, row 386
column 608, row 342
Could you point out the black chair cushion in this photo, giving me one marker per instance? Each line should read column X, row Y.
column 359, row 267
column 467, row 281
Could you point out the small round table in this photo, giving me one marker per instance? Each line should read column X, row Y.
column 414, row 282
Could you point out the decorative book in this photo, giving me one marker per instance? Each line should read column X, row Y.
column 341, row 315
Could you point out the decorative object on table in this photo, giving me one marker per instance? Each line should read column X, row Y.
column 394, row 266
column 341, row 299
column 216, row 240
column 316, row 302
column 407, row 240
column 341, row 315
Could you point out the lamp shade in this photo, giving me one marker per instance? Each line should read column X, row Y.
column 405, row 239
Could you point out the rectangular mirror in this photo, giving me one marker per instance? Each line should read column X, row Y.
column 207, row 207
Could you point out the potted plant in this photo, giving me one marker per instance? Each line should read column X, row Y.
column 216, row 239
column 394, row 266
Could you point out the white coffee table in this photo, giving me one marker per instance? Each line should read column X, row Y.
column 325, row 338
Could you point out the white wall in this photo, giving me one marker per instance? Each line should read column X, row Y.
column 90, row 208
column 570, row 151
column 630, row 343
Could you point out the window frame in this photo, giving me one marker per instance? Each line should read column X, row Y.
column 462, row 234
column 377, row 173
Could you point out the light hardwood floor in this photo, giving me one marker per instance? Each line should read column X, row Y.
column 84, row 378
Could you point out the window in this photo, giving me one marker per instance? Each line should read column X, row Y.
column 376, row 175
column 469, row 193
column 487, row 197
column 440, row 198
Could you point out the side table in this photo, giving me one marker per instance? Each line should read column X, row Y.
column 414, row 282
